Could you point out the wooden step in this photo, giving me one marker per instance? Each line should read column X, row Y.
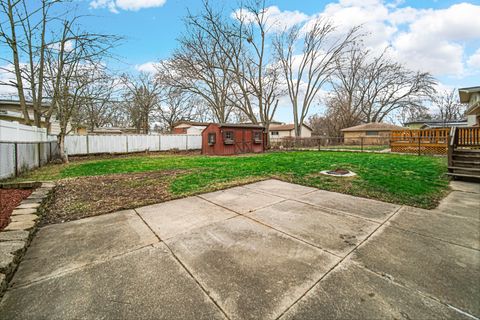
column 470, row 162
column 464, row 168
column 467, row 150
column 467, row 154
column 463, row 175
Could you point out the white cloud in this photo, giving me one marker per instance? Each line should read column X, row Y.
column 474, row 60
column 148, row 67
column 433, row 40
column 129, row 5
column 276, row 20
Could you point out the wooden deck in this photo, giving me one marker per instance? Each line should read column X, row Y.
column 428, row 141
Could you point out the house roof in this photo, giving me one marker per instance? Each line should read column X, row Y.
column 465, row 93
column 6, row 102
column 191, row 123
column 435, row 122
column 374, row 126
column 285, row 127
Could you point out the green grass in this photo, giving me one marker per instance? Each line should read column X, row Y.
column 403, row 179
column 369, row 148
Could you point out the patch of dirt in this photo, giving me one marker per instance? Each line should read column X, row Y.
column 83, row 197
column 9, row 199
column 133, row 154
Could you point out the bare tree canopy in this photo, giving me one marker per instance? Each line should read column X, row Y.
column 369, row 88
column 306, row 71
column 225, row 61
column 447, row 106
column 142, row 98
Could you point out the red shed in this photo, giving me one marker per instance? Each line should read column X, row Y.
column 227, row 139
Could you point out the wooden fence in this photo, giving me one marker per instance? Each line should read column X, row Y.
column 428, row 141
column 468, row 137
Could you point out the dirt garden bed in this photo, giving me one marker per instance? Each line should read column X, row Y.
column 90, row 196
column 9, row 199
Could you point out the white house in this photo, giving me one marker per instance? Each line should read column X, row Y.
column 189, row 127
column 279, row 131
column 472, row 97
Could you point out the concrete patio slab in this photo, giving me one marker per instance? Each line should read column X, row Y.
column 352, row 292
column 145, row 284
column 280, row 188
column 250, row 270
column 62, row 247
column 171, row 218
column 465, row 186
column 334, row 232
column 446, row 271
column 240, row 199
column 435, row 223
column 463, row 204
column 366, row 208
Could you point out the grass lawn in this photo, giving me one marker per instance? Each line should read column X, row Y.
column 109, row 184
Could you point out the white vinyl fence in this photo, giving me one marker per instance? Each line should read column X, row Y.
column 24, row 148
column 94, row 144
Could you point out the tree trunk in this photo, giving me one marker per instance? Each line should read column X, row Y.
column 61, row 144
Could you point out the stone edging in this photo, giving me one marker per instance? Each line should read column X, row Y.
column 16, row 236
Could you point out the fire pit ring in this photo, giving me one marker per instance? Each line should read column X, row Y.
column 341, row 173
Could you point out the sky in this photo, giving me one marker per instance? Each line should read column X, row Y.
column 438, row 36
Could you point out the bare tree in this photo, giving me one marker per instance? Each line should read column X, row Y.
column 98, row 106
column 176, row 106
column 447, row 106
column 71, row 69
column 142, row 95
column 306, row 72
column 24, row 32
column 226, row 62
column 368, row 88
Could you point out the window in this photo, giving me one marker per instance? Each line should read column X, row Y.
column 228, row 137
column 274, row 133
column 257, row 137
column 371, row 133
column 211, row 138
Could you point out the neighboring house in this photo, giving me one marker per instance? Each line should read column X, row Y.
column 472, row 97
column 373, row 133
column 278, row 131
column 10, row 111
column 429, row 124
column 189, row 127
column 113, row 131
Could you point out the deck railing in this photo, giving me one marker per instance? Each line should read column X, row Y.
column 468, row 137
column 428, row 141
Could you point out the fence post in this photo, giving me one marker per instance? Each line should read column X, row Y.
column 126, row 142
column 186, row 142
column 88, row 148
column 159, row 142
column 419, row 151
column 50, row 149
column 361, row 144
column 39, row 160
column 16, row 159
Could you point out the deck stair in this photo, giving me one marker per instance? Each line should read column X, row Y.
column 464, row 153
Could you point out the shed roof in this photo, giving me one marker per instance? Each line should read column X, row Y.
column 240, row 125
column 374, row 126
column 192, row 123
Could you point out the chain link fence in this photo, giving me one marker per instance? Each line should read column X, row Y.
column 19, row 157
column 360, row 144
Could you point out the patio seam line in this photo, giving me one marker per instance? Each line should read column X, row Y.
column 393, row 225
column 338, row 263
column 270, row 227
column 185, row 268
column 76, row 269
column 418, row 291
column 280, row 196
column 243, row 214
column 337, row 211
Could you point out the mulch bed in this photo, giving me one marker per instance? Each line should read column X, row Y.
column 91, row 196
column 9, row 199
